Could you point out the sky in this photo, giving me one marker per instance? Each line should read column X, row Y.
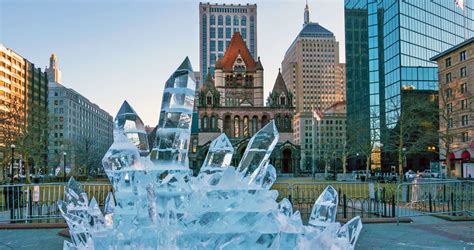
column 116, row 50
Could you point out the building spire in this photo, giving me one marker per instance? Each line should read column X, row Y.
column 306, row 13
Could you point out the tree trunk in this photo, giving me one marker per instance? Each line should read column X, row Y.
column 448, row 160
column 367, row 165
column 27, row 168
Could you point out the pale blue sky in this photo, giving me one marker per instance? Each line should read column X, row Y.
column 111, row 50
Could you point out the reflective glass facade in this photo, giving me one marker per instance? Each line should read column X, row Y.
column 402, row 36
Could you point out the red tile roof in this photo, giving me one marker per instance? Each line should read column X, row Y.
column 236, row 46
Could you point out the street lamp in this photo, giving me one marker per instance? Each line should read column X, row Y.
column 64, row 167
column 13, row 162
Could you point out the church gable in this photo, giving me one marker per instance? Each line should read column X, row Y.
column 237, row 50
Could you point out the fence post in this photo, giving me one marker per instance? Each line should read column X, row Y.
column 452, row 203
column 290, row 191
column 429, row 199
column 444, row 193
column 344, row 206
column 393, row 206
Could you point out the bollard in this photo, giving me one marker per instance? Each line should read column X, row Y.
column 344, row 207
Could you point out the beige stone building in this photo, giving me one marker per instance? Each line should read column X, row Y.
column 313, row 73
column 456, row 100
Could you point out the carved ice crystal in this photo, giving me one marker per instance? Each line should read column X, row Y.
column 128, row 121
column 325, row 208
column 156, row 204
column 259, row 149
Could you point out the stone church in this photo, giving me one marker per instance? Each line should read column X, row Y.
column 232, row 102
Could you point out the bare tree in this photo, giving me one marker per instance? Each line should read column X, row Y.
column 12, row 125
column 411, row 124
column 361, row 144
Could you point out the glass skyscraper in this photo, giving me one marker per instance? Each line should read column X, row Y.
column 399, row 37
column 217, row 24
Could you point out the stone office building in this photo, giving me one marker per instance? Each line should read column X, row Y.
column 232, row 103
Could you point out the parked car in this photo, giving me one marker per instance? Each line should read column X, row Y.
column 429, row 174
column 410, row 175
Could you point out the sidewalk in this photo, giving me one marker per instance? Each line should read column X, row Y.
column 424, row 233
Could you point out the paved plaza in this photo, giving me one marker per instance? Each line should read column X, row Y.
column 423, row 233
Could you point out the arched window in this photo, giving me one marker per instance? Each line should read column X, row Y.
column 287, row 125
column 212, row 20
column 246, row 126
column 254, row 125
column 236, row 21
column 236, row 127
column 220, row 20
column 243, row 22
column 228, row 21
column 204, row 123
column 278, row 122
column 264, row 120
column 213, row 122
column 282, row 100
column 228, row 125
column 209, row 99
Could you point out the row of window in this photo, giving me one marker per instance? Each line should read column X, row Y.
column 464, row 121
column 462, row 57
column 462, row 74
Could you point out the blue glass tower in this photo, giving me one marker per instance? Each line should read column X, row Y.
column 401, row 37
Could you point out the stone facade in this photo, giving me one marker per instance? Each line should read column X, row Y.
column 456, row 99
column 232, row 103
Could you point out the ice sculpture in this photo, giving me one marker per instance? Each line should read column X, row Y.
column 174, row 126
column 157, row 204
column 132, row 126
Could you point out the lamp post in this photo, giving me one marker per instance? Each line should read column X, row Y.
column 404, row 163
column 64, row 167
column 13, row 146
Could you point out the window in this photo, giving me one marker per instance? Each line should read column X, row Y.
column 448, row 62
column 204, row 122
column 220, row 20
column 464, row 104
column 212, row 32
column 236, row 126
column 227, row 21
column 449, row 107
column 236, row 21
column 246, row 126
column 449, row 93
column 465, row 120
column 450, row 122
column 463, row 88
column 465, row 136
column 220, row 32
column 213, row 20
column 208, row 100
column 448, row 78
column 462, row 56
column 463, row 72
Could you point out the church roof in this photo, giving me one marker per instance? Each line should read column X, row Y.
column 280, row 86
column 236, row 46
